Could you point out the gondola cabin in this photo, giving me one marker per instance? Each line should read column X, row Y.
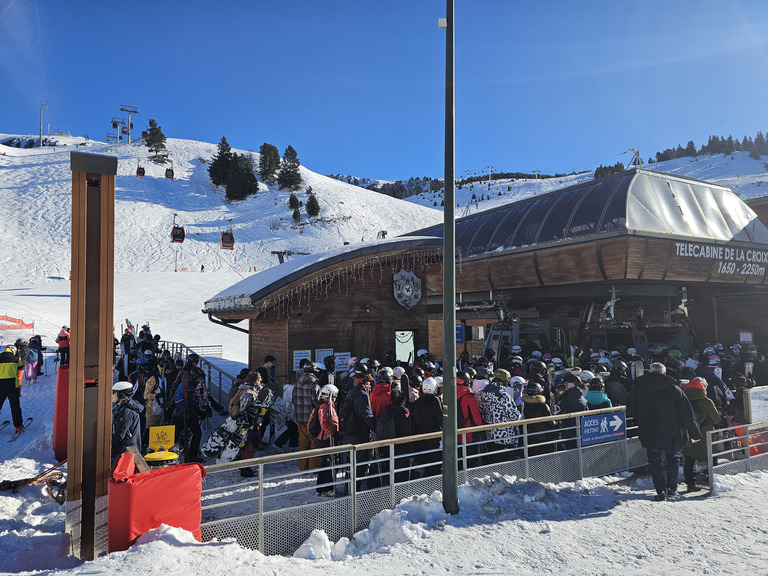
column 140, row 171
column 227, row 241
column 177, row 234
column 169, row 173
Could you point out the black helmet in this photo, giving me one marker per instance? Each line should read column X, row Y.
column 471, row 372
column 596, row 384
column 417, row 371
column 360, row 369
column 537, row 366
column 193, row 357
column 572, row 378
column 727, row 361
column 533, row 388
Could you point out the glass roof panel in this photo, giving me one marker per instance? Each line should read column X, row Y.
column 643, row 210
column 529, row 227
column 556, row 224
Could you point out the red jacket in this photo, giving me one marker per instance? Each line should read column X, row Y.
column 380, row 398
column 329, row 419
column 470, row 412
column 63, row 339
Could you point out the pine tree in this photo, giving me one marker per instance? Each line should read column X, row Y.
column 241, row 181
column 293, row 201
column 289, row 176
column 296, row 215
column 269, row 162
column 219, row 168
column 155, row 140
column 313, row 206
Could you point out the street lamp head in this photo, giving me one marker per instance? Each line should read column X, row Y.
column 442, row 22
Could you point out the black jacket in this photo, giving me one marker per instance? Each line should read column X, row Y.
column 663, row 414
column 126, row 426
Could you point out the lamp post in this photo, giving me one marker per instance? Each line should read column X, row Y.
column 450, row 464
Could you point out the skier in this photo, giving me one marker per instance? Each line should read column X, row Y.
column 10, row 364
column 126, row 424
column 63, row 340
column 329, row 430
column 188, row 410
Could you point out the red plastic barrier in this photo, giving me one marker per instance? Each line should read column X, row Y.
column 139, row 502
column 758, row 443
column 61, row 414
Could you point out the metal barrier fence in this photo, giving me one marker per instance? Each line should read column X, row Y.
column 219, row 381
column 276, row 510
column 740, row 448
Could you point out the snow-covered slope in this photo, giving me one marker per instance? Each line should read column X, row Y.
column 744, row 175
column 35, row 192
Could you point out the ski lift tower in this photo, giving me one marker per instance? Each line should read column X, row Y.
column 129, row 125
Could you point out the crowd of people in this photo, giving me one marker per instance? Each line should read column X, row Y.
column 673, row 395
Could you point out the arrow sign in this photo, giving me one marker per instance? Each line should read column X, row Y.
column 603, row 428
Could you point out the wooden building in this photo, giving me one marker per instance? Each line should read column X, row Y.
column 641, row 247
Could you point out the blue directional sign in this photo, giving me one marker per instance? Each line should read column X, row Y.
column 603, row 428
column 459, row 333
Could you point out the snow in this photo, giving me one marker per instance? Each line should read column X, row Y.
column 506, row 524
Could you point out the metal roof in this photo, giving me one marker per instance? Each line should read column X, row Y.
column 636, row 201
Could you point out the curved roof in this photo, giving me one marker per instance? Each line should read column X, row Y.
column 635, row 201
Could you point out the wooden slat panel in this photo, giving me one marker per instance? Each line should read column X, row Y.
column 635, row 257
column 572, row 264
column 513, row 271
column 657, row 260
column 613, row 252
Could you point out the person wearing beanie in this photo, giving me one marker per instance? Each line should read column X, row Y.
column 708, row 418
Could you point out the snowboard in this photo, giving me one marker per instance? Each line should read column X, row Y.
column 224, row 444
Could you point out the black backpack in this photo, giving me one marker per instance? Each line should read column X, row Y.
column 385, row 427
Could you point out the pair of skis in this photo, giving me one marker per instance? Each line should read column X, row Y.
column 17, row 433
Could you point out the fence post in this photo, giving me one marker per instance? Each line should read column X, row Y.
column 353, row 486
column 261, row 508
column 579, row 448
column 710, row 465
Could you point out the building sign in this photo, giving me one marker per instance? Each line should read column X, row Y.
column 756, row 404
column 603, row 428
column 407, row 289
column 321, row 353
column 730, row 261
column 459, row 333
column 298, row 356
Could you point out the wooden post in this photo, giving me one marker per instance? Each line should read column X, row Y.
column 89, row 439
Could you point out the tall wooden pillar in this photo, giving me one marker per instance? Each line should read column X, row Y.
column 91, row 351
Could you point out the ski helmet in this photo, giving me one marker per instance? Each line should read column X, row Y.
column 502, row 376
column 517, row 381
column 398, row 372
column 533, row 388
column 429, row 386
column 329, row 391
column 596, row 384
column 122, row 389
column 193, row 357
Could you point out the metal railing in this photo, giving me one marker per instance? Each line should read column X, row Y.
column 739, row 448
column 278, row 508
column 219, row 381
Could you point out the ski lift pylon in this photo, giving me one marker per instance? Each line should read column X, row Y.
column 177, row 232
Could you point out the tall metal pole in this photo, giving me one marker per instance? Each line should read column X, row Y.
column 43, row 105
column 450, row 464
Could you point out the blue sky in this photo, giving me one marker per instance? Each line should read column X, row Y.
column 357, row 87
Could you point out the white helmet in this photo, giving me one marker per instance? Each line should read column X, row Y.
column 516, row 349
column 386, row 370
column 122, row 386
column 557, row 361
column 398, row 371
column 519, row 380
column 328, row 391
column 429, row 386
column 422, row 352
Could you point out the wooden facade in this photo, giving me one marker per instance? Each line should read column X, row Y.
column 654, row 268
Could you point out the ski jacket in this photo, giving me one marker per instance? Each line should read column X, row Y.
column 10, row 364
column 126, row 426
column 597, row 399
column 329, row 420
column 616, row 392
column 63, row 339
column 663, row 414
column 362, row 408
column 572, row 400
column 497, row 406
column 468, row 412
column 707, row 416
column 380, row 398
column 426, row 415
column 153, row 392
